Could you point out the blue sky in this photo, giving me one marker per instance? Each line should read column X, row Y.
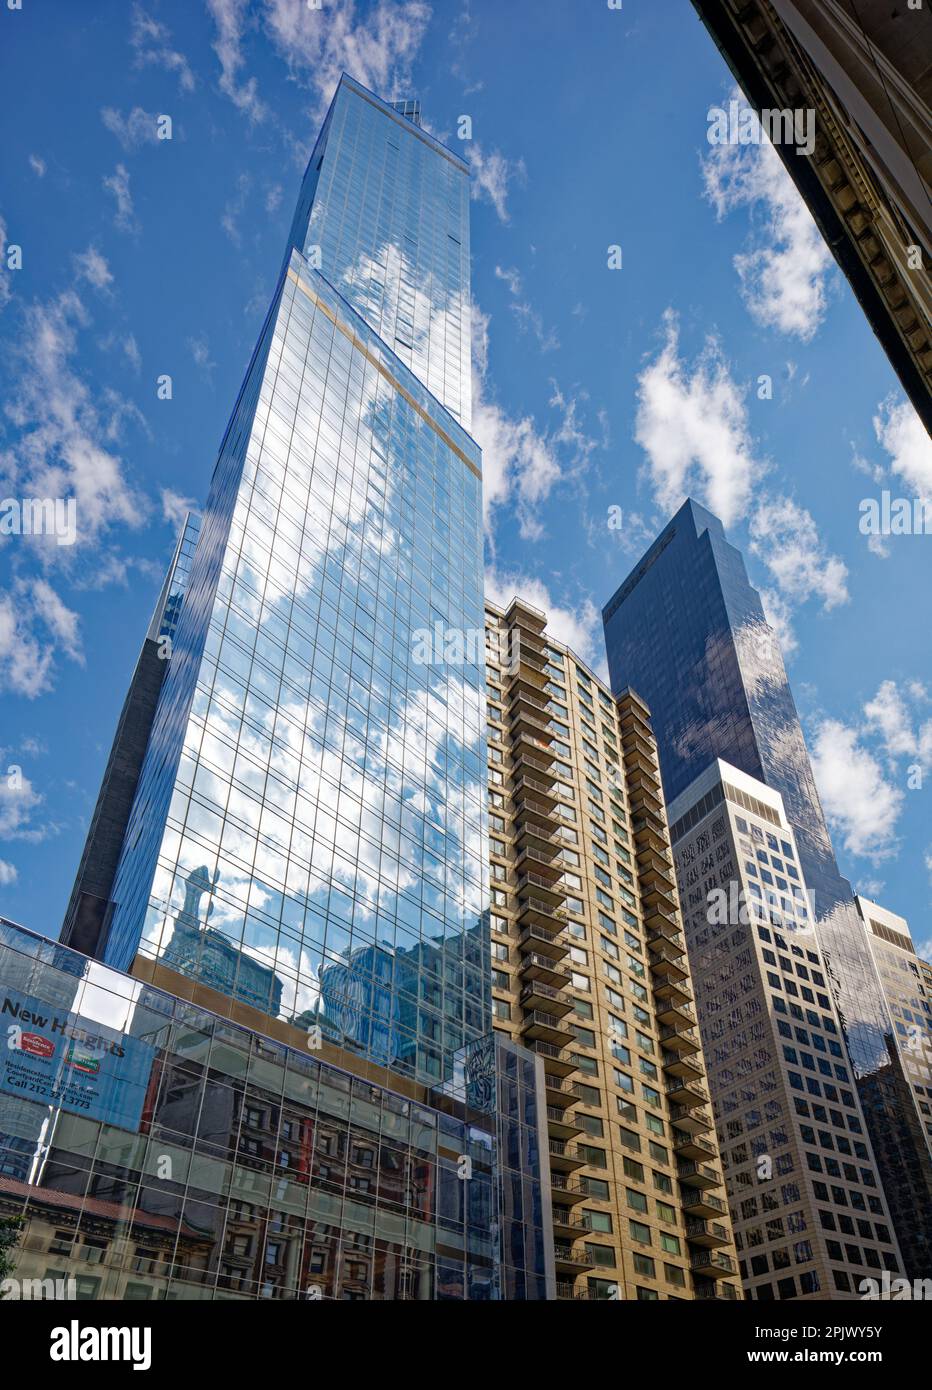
column 595, row 388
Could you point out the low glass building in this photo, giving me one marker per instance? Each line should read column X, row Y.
column 160, row 1151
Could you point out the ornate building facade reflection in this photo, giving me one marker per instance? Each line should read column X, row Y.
column 180, row 1155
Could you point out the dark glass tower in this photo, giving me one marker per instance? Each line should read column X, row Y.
column 687, row 630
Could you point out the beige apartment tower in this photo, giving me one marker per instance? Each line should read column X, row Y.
column 808, row 1210
column 590, row 972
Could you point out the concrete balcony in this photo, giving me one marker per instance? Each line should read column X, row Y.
column 714, row 1264
column 570, row 1259
column 546, row 969
column 707, row 1233
column 679, row 1039
column 537, row 995
column 694, row 1146
column 701, row 1175
column 557, row 1061
column 564, row 1157
column 697, row 1203
column 543, row 942
column 545, row 1028
column 684, row 1090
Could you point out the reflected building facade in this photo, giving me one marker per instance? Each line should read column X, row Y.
column 226, row 1163
column 306, row 854
column 328, row 788
column 688, row 631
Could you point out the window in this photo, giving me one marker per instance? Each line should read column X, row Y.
column 639, row 1232
column 601, row 1255
column 598, row 1221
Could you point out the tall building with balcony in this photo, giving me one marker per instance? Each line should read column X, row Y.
column 687, row 630
column 861, row 67
column 809, row 1212
column 589, row 970
column 305, row 857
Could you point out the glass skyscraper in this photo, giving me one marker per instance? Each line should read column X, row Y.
column 305, row 862
column 687, row 630
column 308, row 832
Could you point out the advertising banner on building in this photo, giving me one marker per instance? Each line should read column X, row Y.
column 60, row 1059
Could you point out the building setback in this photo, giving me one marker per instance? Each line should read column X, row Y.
column 590, row 972
column 809, row 1212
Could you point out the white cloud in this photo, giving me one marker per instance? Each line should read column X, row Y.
column 229, row 221
column 579, row 628
column 528, row 319
column 117, row 183
column 783, row 274
column 889, row 717
column 92, row 267
column 693, row 426
column 785, row 536
column 377, row 49
column 175, row 507
column 65, row 447
column 859, row 802
column 131, row 352
column 231, row 19
column 152, row 44
column 518, row 463
column 511, row 278
column 37, row 165
column 200, row 351
column 18, row 800
column 61, row 621
column 33, row 624
column 8, row 873
column 138, row 127
column 492, row 176
column 900, row 431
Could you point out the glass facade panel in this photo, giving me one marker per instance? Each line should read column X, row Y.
column 308, row 835
column 249, row 1169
